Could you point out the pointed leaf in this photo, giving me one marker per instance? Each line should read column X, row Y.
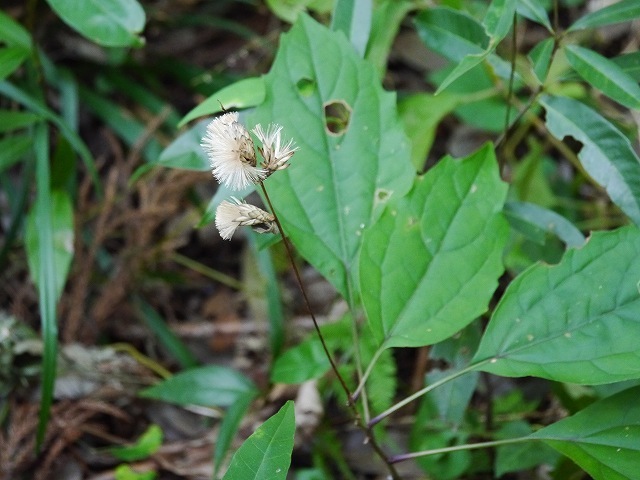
column 228, row 429
column 13, row 33
column 577, row 321
column 344, row 172
column 531, row 216
column 604, row 438
column 208, row 386
column 604, row 75
column 622, row 11
column 266, row 454
column 353, row 18
column 540, row 56
column 429, row 266
column 607, row 155
column 10, row 60
column 533, row 10
column 111, row 23
column 244, row 93
column 499, row 19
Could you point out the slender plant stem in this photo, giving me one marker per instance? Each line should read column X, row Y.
column 350, row 403
column 207, row 271
column 471, row 446
column 424, row 391
column 367, row 372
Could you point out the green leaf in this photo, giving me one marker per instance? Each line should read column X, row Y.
column 167, row 338
column 534, row 220
column 266, row 454
column 630, row 64
column 307, row 360
column 387, row 18
column 604, row 75
column 12, row 33
column 61, row 253
column 499, row 19
column 421, row 114
column 607, row 155
column 148, row 444
column 603, row 439
column 575, row 322
column 125, row 472
column 110, row 23
column 248, row 92
column 451, row 33
column 47, row 276
column 622, row 11
column 12, row 149
column 540, row 56
column 520, row 456
column 228, row 429
column 208, row 386
column 72, row 137
column 338, row 181
column 185, row 151
column 535, row 11
column 353, row 18
column 10, row 120
column 10, row 60
column 430, row 265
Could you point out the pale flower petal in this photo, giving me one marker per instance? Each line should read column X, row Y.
column 231, row 215
column 231, row 152
column 276, row 156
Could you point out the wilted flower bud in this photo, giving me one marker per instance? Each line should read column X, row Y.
column 275, row 155
column 231, row 215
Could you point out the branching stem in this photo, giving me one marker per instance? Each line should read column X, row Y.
column 350, row 402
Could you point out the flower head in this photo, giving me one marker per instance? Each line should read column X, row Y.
column 231, row 152
column 231, row 215
column 275, row 154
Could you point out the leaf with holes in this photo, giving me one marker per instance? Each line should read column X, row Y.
column 430, row 265
column 577, row 322
column 353, row 157
column 607, row 155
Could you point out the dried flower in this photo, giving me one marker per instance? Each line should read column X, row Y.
column 275, row 155
column 231, row 152
column 231, row 215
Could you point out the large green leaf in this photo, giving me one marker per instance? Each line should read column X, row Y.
column 607, row 155
column 622, row 11
column 266, row 454
column 604, row 438
column 499, row 19
column 208, row 386
column 338, row 181
column 111, row 23
column 429, row 266
column 578, row 321
column 604, row 75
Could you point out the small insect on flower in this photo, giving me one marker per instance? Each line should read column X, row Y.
column 231, row 215
column 231, row 152
column 276, row 156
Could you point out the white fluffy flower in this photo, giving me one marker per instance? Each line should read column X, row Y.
column 275, row 154
column 231, row 215
column 231, row 152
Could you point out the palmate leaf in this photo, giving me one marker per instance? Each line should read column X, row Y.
column 607, row 155
column 604, row 438
column 338, row 181
column 577, row 322
column 429, row 266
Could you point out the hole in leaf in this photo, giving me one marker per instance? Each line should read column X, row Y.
column 336, row 116
column 306, row 86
